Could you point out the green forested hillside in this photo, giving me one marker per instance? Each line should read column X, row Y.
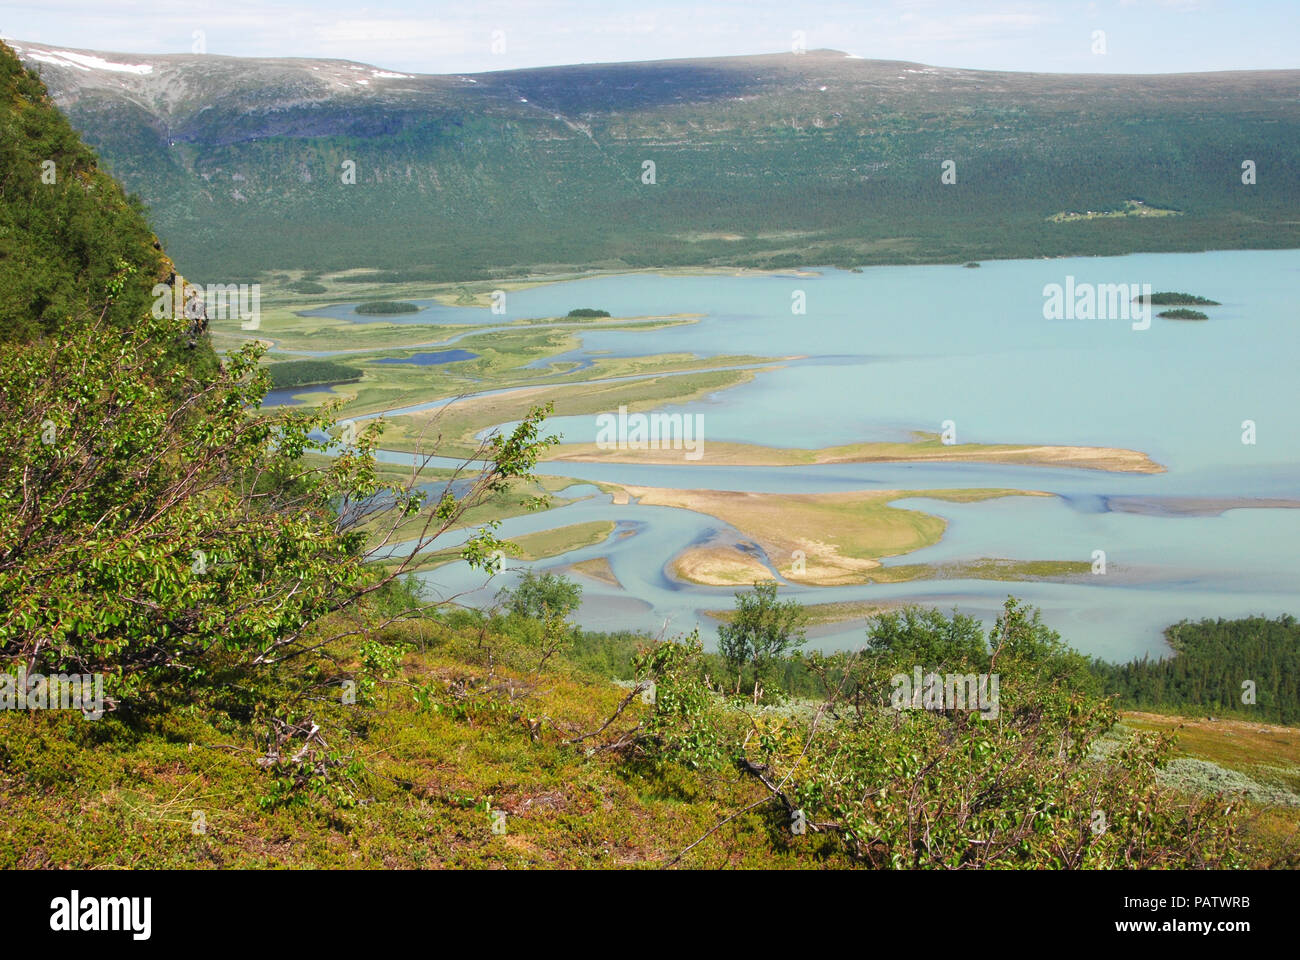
column 73, row 246
column 1248, row 667
column 769, row 161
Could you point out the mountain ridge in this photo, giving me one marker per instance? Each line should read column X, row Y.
column 808, row 158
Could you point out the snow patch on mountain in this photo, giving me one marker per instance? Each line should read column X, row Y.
column 84, row 62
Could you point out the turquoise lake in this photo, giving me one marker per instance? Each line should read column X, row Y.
column 891, row 350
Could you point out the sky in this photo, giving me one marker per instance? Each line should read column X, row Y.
column 1073, row 36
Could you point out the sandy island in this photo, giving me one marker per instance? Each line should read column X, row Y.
column 1115, row 459
column 821, row 539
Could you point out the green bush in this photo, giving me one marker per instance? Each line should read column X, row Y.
column 167, row 543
